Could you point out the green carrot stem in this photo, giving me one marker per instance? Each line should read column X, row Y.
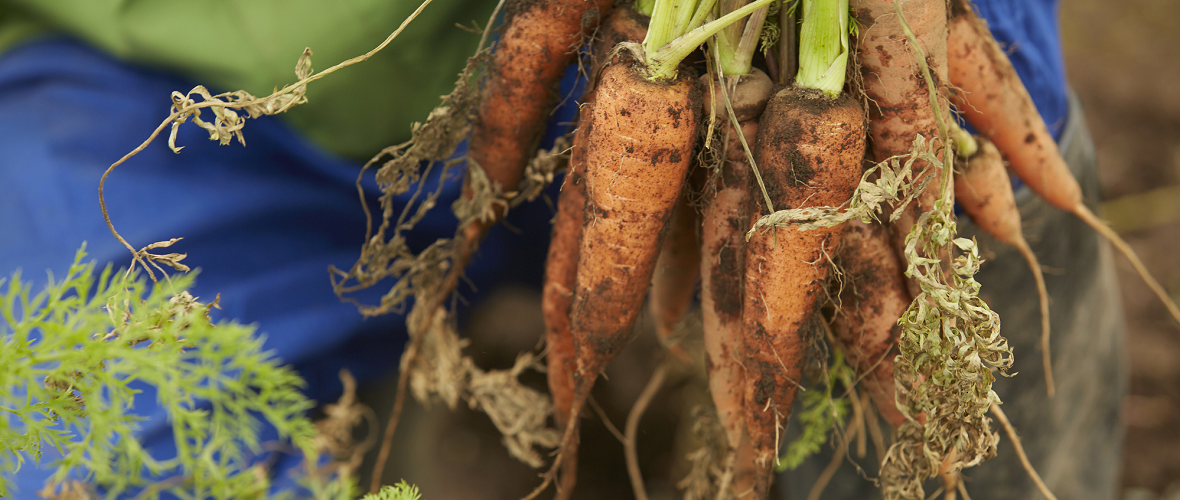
column 645, row 7
column 662, row 60
column 823, row 46
column 737, row 42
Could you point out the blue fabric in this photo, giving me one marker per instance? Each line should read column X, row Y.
column 1029, row 30
column 262, row 222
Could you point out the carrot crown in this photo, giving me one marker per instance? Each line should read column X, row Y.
column 823, row 46
column 678, row 27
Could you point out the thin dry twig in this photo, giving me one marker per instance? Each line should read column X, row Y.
column 610, row 426
column 632, row 429
column 825, row 477
column 1032, row 473
column 228, row 125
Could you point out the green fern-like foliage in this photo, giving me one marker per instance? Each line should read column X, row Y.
column 819, row 415
column 69, row 355
column 399, row 491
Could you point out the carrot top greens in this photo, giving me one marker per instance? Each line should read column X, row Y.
column 823, row 45
column 678, row 27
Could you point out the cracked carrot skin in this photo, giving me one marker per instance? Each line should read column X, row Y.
column 873, row 299
column 809, row 149
column 724, row 220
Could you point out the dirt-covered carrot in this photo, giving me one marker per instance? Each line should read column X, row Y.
column 809, row 149
column 638, row 153
column 873, row 299
column 738, row 100
column 641, row 136
column 810, row 144
column 639, row 147
column 558, row 292
column 899, row 100
column 623, row 25
column 539, row 41
column 984, row 191
column 725, row 219
column 993, row 99
column 673, row 283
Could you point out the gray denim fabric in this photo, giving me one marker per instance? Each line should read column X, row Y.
column 1075, row 439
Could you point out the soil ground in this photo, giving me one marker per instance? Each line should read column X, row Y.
column 1120, row 62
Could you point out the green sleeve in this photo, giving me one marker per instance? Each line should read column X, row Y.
column 253, row 45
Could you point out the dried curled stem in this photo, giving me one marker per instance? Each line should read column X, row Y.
column 228, row 124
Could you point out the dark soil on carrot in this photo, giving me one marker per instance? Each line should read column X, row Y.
column 1121, row 63
column 1119, row 56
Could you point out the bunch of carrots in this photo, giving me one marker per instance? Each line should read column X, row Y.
column 642, row 217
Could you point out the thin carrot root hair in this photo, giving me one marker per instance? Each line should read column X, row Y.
column 631, row 431
column 1043, row 298
column 1083, row 212
column 1032, row 473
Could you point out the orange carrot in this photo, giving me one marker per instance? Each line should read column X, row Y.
column 640, row 139
column 725, row 219
column 809, row 149
column 899, row 102
column 641, row 135
column 558, row 292
column 994, row 100
column 984, row 191
column 873, row 299
column 623, row 25
column 673, row 283
column 539, row 40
